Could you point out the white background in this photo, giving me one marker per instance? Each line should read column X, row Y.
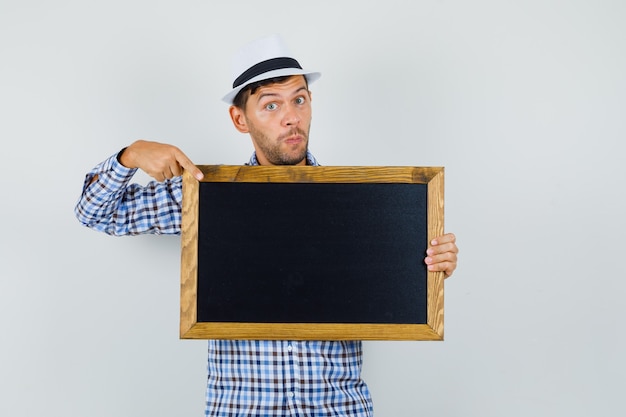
column 523, row 102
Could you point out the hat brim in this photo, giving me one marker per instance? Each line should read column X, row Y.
column 311, row 76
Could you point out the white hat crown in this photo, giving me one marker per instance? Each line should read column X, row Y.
column 264, row 58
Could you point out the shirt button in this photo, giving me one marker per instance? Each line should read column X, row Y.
column 289, row 348
column 291, row 394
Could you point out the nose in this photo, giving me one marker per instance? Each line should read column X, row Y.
column 291, row 116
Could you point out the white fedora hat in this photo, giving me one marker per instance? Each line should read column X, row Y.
column 264, row 58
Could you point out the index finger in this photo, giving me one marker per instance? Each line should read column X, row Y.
column 189, row 166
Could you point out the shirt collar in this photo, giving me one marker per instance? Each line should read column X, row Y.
column 310, row 159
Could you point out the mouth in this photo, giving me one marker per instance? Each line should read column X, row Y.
column 294, row 139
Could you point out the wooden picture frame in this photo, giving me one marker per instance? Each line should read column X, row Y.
column 366, row 228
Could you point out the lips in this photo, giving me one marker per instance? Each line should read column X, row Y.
column 293, row 140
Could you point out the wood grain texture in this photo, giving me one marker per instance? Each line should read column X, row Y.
column 312, row 331
column 436, row 228
column 324, row 174
column 189, row 255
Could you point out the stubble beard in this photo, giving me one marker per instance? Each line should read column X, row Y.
column 271, row 148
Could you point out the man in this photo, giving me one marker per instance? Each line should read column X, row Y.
column 270, row 100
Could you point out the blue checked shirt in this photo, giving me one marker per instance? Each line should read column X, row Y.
column 245, row 377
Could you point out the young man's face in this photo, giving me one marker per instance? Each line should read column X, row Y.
column 278, row 119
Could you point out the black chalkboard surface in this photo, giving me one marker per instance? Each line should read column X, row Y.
column 311, row 252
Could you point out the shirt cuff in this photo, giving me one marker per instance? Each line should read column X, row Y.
column 111, row 173
column 114, row 167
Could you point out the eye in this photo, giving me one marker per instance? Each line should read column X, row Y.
column 271, row 106
column 300, row 100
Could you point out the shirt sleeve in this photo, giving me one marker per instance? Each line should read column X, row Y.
column 111, row 204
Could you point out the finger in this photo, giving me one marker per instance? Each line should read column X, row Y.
column 170, row 171
column 176, row 169
column 446, row 267
column 441, row 258
column 443, row 248
column 439, row 266
column 447, row 238
column 189, row 166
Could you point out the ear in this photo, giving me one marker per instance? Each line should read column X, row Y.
column 239, row 119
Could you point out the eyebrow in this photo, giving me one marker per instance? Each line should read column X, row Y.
column 270, row 94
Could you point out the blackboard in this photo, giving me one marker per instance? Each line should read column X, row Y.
column 311, row 253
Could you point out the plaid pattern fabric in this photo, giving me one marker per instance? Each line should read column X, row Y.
column 245, row 377
column 286, row 378
column 114, row 206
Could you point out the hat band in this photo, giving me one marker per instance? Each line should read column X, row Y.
column 265, row 66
